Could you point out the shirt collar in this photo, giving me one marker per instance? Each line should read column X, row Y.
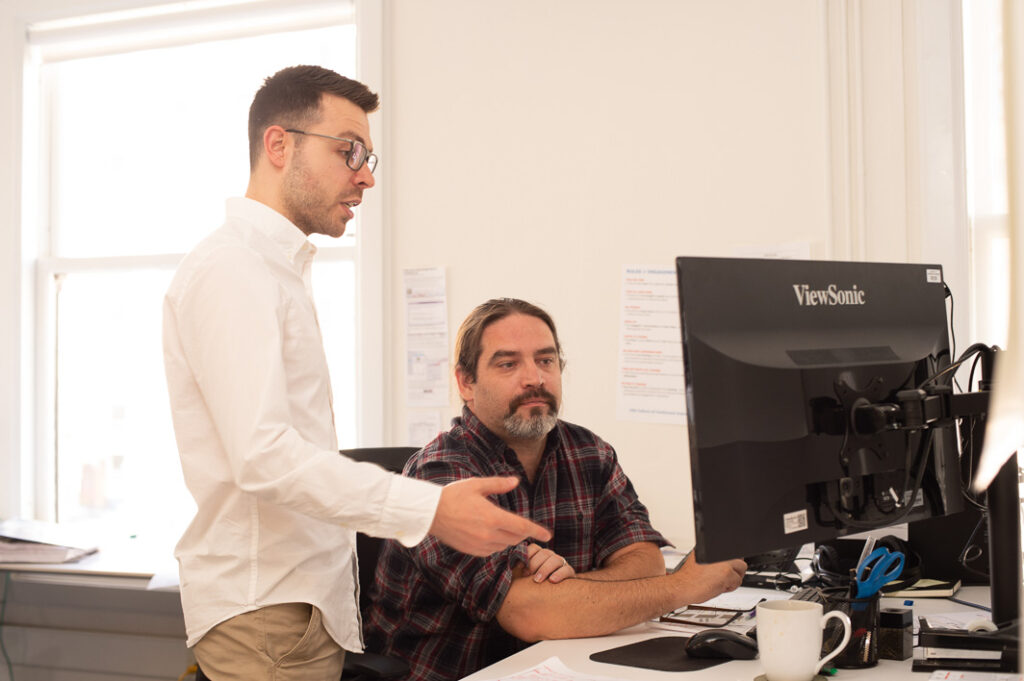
column 276, row 227
column 478, row 430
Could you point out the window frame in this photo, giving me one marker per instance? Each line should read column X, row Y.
column 29, row 467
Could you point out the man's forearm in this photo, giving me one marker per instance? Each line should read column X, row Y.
column 579, row 608
column 534, row 611
column 633, row 562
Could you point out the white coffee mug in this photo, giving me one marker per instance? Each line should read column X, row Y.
column 789, row 638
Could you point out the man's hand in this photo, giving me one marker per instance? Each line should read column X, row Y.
column 469, row 522
column 705, row 581
column 546, row 564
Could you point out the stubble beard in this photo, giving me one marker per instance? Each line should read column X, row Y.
column 301, row 198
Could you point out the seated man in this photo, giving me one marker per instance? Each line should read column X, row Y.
column 449, row 614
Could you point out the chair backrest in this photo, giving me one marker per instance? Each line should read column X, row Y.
column 367, row 547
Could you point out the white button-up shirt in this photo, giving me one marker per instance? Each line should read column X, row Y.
column 278, row 507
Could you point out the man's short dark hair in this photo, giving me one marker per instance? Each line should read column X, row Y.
column 291, row 98
column 469, row 343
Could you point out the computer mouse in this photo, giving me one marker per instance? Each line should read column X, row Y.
column 721, row 643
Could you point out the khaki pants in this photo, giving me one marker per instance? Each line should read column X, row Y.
column 284, row 642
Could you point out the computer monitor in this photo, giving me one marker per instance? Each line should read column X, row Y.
column 800, row 379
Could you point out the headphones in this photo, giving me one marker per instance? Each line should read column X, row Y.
column 832, row 567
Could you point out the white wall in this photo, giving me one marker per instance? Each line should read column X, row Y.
column 536, row 146
column 545, row 144
column 533, row 147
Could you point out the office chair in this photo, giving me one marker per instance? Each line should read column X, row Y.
column 368, row 666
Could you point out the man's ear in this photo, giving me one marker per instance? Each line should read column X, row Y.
column 466, row 385
column 275, row 139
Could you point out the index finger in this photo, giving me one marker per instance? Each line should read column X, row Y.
column 538, row 532
column 522, row 528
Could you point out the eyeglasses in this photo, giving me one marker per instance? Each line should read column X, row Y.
column 355, row 157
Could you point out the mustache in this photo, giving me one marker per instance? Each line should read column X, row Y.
column 535, row 393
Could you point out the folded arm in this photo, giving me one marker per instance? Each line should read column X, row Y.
column 642, row 559
column 593, row 606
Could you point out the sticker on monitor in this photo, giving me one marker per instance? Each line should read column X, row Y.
column 794, row 522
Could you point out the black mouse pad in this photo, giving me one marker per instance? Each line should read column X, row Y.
column 665, row 653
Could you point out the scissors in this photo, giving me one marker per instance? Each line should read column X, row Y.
column 880, row 567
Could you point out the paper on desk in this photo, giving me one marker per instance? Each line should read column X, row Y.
column 36, row 541
column 941, row 675
column 673, row 557
column 551, row 669
column 740, row 625
column 953, row 620
column 744, row 598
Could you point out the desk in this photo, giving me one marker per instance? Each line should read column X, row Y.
column 575, row 653
column 94, row 618
column 121, row 562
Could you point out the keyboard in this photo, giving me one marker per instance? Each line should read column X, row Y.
column 813, row 594
column 780, row 560
column 772, row 569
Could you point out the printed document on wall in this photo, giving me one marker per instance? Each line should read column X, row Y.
column 426, row 342
column 422, row 426
column 650, row 381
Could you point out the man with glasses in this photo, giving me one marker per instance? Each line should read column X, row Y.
column 450, row 614
column 267, row 564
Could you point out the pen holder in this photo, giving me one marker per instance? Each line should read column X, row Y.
column 862, row 650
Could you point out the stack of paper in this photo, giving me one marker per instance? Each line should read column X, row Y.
column 33, row 541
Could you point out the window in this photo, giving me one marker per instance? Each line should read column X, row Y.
column 987, row 174
column 986, row 168
column 136, row 150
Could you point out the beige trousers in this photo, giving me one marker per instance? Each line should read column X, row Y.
column 284, row 642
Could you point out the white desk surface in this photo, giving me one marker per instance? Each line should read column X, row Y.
column 575, row 653
column 122, row 562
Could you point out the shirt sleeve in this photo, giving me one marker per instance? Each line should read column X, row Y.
column 620, row 518
column 228, row 334
column 478, row 585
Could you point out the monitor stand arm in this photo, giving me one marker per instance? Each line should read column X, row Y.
column 937, row 406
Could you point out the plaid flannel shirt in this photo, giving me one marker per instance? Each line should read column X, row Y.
column 436, row 607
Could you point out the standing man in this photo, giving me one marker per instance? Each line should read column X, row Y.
column 267, row 564
column 449, row 614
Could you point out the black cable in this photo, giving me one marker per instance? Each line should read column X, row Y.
column 842, row 448
column 968, row 450
column 909, row 467
column 970, row 544
column 923, row 455
column 970, row 377
column 952, row 331
column 968, row 353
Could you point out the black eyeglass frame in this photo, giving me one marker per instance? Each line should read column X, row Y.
column 358, row 150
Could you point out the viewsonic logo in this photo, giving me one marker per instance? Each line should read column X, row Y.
column 833, row 295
